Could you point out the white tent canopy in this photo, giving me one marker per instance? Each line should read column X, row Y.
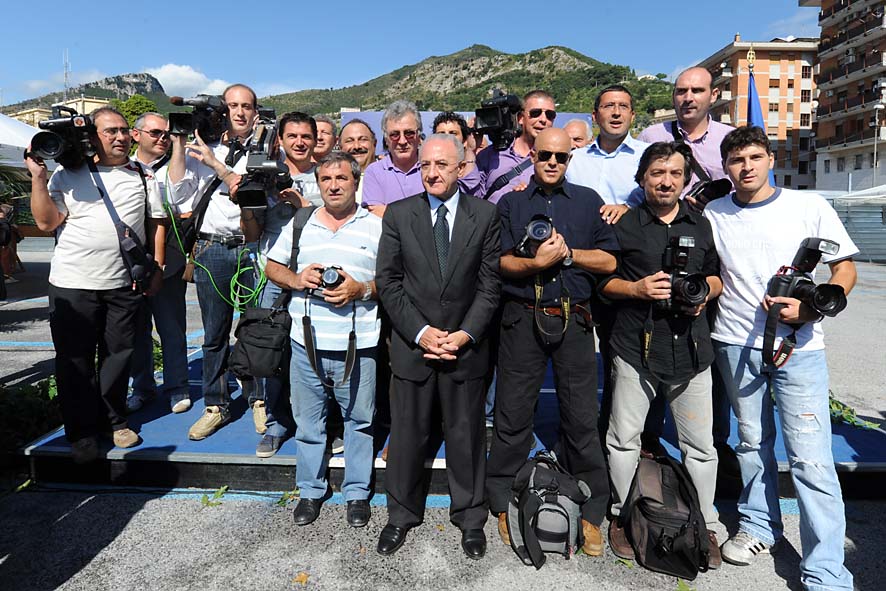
column 14, row 138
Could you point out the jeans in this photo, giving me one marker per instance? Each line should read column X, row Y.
column 800, row 388
column 220, row 264
column 168, row 310
column 309, row 404
column 275, row 390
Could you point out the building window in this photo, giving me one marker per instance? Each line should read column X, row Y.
column 803, row 167
column 805, row 119
column 774, row 56
column 804, row 142
column 859, row 161
column 805, row 96
column 773, row 107
column 827, row 167
column 787, row 180
column 841, row 164
column 790, row 107
column 807, row 72
column 774, row 82
column 790, row 83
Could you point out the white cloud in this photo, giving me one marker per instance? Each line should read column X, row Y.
column 179, row 80
column 803, row 23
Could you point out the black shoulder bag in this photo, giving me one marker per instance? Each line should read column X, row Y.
column 262, row 349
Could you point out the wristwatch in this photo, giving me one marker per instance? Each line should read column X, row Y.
column 367, row 293
column 567, row 262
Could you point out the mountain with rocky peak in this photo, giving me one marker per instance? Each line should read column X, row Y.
column 120, row 87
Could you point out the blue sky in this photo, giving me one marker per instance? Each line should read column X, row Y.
column 276, row 47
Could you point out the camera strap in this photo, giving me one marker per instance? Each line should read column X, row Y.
column 507, row 177
column 565, row 306
column 771, row 356
column 646, row 343
column 311, row 348
column 700, row 172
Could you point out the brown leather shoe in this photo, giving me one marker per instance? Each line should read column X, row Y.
column 618, row 541
column 503, row 528
column 125, row 438
column 593, row 545
column 715, row 559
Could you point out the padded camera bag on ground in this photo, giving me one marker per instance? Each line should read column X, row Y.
column 663, row 521
column 544, row 514
column 262, row 349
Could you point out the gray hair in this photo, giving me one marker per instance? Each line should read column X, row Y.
column 326, row 119
column 448, row 137
column 140, row 122
column 335, row 157
column 397, row 110
column 582, row 121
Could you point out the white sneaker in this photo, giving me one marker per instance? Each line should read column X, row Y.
column 742, row 548
column 182, row 405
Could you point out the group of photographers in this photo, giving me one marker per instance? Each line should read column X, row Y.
column 482, row 260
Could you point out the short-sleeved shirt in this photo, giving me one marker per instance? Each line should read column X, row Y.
column 681, row 344
column 87, row 255
column 705, row 149
column 383, row 183
column 492, row 164
column 354, row 248
column 611, row 175
column 575, row 211
column 178, row 197
column 754, row 241
column 222, row 215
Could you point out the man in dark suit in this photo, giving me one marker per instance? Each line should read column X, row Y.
column 438, row 279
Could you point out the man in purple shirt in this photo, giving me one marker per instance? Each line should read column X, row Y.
column 397, row 175
column 693, row 97
column 538, row 113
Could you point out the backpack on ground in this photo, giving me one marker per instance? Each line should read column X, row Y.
column 663, row 520
column 544, row 514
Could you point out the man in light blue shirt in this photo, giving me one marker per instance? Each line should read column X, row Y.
column 609, row 163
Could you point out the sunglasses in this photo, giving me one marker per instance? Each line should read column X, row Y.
column 536, row 113
column 545, row 156
column 408, row 134
column 156, row 133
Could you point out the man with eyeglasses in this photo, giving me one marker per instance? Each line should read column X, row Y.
column 358, row 140
column 501, row 171
column 547, row 284
column 167, row 306
column 93, row 303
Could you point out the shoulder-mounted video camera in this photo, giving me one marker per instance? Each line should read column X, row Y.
column 66, row 138
column 687, row 289
column 207, row 117
column 265, row 173
column 497, row 118
column 793, row 282
column 539, row 229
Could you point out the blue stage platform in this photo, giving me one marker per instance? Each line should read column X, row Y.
column 166, row 457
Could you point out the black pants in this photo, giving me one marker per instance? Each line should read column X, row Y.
column 462, row 406
column 522, row 361
column 94, row 335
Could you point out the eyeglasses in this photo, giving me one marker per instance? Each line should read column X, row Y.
column 111, row 132
column 156, row 133
column 408, row 135
column 536, row 113
column 545, row 156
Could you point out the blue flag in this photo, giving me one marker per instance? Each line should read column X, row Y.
column 755, row 113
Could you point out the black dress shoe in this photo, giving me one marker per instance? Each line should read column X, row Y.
column 473, row 542
column 391, row 538
column 306, row 512
column 358, row 513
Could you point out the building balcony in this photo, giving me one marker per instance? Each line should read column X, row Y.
column 848, row 39
column 846, row 107
column 862, row 67
column 833, row 14
column 848, row 141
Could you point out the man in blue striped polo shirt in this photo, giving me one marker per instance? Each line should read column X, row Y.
column 334, row 286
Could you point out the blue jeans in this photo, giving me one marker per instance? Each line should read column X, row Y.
column 218, row 315
column 309, row 405
column 275, row 391
column 168, row 310
column 801, row 393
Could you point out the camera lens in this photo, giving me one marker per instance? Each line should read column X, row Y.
column 828, row 299
column 331, row 277
column 539, row 230
column 691, row 289
column 48, row 145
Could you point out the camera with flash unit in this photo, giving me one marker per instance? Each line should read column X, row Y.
column 794, row 282
column 687, row 289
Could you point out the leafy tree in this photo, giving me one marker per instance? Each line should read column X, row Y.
column 133, row 107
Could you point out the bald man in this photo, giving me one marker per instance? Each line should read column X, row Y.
column 553, row 324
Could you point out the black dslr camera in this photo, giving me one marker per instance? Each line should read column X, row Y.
column 265, row 174
column 497, row 118
column 331, row 277
column 710, row 190
column 792, row 282
column 687, row 289
column 539, row 229
column 207, row 117
column 66, row 139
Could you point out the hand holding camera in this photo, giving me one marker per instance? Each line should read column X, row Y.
column 342, row 288
column 804, row 300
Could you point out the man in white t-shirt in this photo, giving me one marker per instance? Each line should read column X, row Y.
column 757, row 230
column 92, row 300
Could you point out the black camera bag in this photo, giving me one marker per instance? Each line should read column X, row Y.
column 663, row 520
column 262, row 349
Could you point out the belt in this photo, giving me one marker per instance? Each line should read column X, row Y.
column 229, row 240
column 580, row 309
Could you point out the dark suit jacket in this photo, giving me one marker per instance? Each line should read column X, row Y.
column 414, row 294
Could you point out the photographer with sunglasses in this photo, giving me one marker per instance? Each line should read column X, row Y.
column 546, row 289
column 502, row 171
